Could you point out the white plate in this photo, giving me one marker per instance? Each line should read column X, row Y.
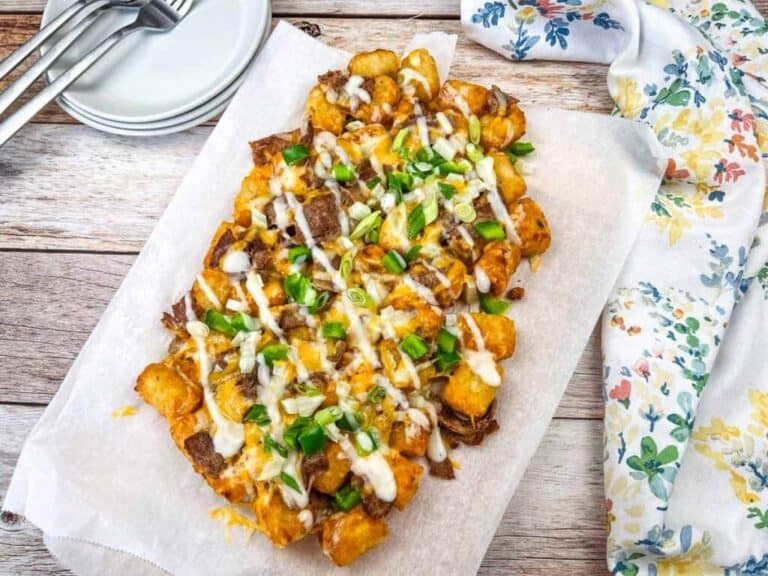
column 137, row 130
column 174, row 123
column 152, row 77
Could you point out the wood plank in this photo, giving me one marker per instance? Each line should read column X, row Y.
column 52, row 301
column 554, row 524
column 568, row 85
column 388, row 8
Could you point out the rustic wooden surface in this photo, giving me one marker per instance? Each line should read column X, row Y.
column 77, row 205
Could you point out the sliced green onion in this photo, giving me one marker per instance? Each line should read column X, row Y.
column 298, row 254
column 371, row 184
column 474, row 153
column 271, row 444
column 291, row 434
column 365, row 225
column 346, row 265
column 274, row 353
column 299, row 289
column 312, row 439
column 334, row 330
column 290, row 481
column 307, row 389
column 320, row 303
column 414, row 346
column 446, row 190
column 376, row 395
column 359, row 297
column 217, row 321
column 372, row 236
column 493, row 305
column 258, row 414
column 399, row 140
column 425, row 154
column 295, row 154
column 343, row 173
column 430, row 208
column 243, row 322
column 446, row 342
column 465, row 212
column 416, row 222
column 412, row 253
column 474, row 130
column 401, row 182
column 328, row 415
column 445, row 361
column 366, row 442
column 452, row 168
column 393, row 262
column 346, row 498
column 490, row 230
column 520, row 148
column 350, row 421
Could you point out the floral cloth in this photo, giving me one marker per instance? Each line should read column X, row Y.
column 685, row 333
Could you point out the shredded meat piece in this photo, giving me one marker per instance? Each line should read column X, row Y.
column 313, row 465
column 425, row 276
column 290, row 319
column 247, row 385
column 225, row 241
column 483, row 208
column 200, row 448
column 470, row 431
column 259, row 254
column 322, row 217
column 178, row 320
column 335, row 79
column 262, row 149
column 375, row 507
column 365, row 171
column 516, row 293
column 338, row 352
column 442, row 469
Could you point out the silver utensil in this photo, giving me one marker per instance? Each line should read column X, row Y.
column 155, row 15
column 82, row 19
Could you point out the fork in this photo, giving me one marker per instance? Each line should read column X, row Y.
column 154, row 16
column 83, row 18
column 76, row 12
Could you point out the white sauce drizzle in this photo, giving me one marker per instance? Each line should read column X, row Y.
column 191, row 316
column 229, row 436
column 254, row 284
column 481, row 362
column 291, row 497
column 475, row 329
column 306, row 519
column 482, row 282
column 410, row 75
column 374, row 468
column 422, row 291
column 445, row 123
column 458, row 99
column 209, row 293
column 466, row 236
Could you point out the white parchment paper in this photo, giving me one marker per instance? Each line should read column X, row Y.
column 114, row 496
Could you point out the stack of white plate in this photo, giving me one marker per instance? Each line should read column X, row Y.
column 153, row 84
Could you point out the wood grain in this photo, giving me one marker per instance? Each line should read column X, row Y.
column 544, row 83
column 51, row 302
column 545, row 530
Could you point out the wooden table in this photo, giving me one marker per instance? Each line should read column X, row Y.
column 76, row 206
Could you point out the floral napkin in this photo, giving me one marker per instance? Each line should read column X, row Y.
column 685, row 332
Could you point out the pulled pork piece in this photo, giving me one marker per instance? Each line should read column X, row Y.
column 200, row 448
column 375, row 507
column 442, row 469
column 225, row 241
column 261, row 150
column 322, row 217
column 470, row 431
column 176, row 322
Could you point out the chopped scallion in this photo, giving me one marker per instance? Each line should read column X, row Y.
column 414, row 346
column 298, row 254
column 257, row 414
column 490, row 230
column 446, row 342
column 343, row 173
column 334, row 330
column 416, row 222
column 295, row 154
column 393, row 262
column 492, row 305
column 290, row 481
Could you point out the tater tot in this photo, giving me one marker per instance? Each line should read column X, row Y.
column 374, row 63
